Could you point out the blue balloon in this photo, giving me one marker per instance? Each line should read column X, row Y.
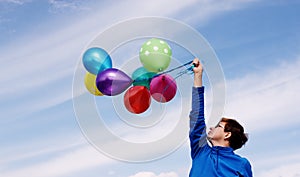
column 96, row 60
column 142, row 77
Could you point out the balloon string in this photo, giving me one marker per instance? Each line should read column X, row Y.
column 168, row 71
column 174, row 68
column 177, row 76
column 185, row 71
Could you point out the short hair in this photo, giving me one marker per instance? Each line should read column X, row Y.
column 238, row 138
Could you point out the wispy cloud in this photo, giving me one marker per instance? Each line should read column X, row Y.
column 205, row 10
column 60, row 6
column 271, row 163
column 17, row 2
column 151, row 174
column 39, row 74
column 52, row 57
column 60, row 165
column 8, row 6
column 287, row 170
column 265, row 99
column 39, row 149
column 49, row 58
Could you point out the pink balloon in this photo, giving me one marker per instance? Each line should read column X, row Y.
column 163, row 88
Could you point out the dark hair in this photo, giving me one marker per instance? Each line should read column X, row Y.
column 238, row 138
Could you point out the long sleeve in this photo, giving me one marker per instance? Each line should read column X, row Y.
column 197, row 122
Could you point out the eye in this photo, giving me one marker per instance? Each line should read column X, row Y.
column 218, row 125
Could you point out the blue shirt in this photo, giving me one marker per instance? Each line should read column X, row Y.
column 207, row 161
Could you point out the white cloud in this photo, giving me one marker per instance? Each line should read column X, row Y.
column 37, row 149
column 207, row 9
column 62, row 6
column 18, row 2
column 147, row 130
column 260, row 100
column 42, row 61
column 266, row 99
column 269, row 164
column 140, row 143
column 287, row 170
column 151, row 174
column 51, row 57
column 73, row 161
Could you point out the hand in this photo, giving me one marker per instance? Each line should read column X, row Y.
column 198, row 68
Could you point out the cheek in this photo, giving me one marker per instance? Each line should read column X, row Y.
column 216, row 134
column 211, row 133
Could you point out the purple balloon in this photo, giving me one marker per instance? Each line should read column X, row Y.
column 112, row 81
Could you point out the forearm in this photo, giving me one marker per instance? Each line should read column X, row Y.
column 197, row 123
column 198, row 80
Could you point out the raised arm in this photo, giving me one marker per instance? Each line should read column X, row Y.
column 197, row 123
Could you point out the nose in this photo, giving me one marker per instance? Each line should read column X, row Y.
column 210, row 128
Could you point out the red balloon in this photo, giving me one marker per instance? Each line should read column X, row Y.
column 137, row 99
column 163, row 88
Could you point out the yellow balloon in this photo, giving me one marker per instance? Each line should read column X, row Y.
column 90, row 84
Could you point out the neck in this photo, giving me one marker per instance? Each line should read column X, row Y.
column 219, row 143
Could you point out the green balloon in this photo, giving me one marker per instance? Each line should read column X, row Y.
column 155, row 55
column 142, row 77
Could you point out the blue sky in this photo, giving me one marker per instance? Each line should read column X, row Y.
column 41, row 42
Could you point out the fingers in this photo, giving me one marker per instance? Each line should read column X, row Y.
column 196, row 62
column 197, row 66
column 198, row 70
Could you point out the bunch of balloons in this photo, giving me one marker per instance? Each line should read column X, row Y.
column 146, row 82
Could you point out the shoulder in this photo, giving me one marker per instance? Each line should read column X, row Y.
column 243, row 165
column 242, row 160
column 247, row 168
column 246, row 162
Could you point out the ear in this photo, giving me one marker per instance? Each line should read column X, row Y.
column 227, row 135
